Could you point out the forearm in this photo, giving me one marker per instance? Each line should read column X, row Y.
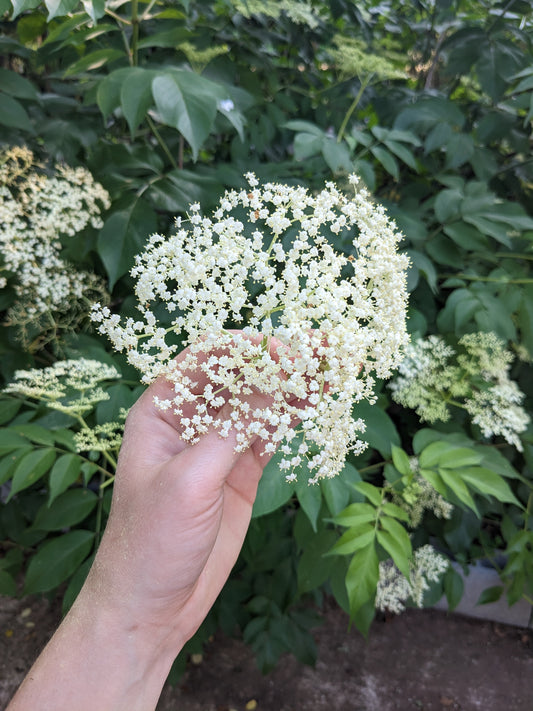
column 96, row 662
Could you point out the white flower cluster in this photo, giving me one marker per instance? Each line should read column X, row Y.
column 419, row 496
column 317, row 324
column 478, row 382
column 35, row 210
column 70, row 386
column 393, row 587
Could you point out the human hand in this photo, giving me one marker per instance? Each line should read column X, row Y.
column 178, row 519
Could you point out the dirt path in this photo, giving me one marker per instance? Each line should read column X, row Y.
column 420, row 661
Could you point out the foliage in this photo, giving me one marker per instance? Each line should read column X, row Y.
column 167, row 104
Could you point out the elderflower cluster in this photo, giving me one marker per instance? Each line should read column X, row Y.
column 477, row 380
column 394, row 589
column 70, row 386
column 317, row 324
column 101, row 438
column 419, row 496
column 36, row 209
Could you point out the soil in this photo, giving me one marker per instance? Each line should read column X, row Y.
column 423, row 660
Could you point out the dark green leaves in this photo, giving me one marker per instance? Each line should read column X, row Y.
column 57, row 560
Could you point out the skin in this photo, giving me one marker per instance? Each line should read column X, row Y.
column 177, row 523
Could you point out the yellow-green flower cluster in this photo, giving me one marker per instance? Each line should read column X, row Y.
column 434, row 377
column 70, row 386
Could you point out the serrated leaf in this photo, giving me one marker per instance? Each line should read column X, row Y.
column 10, row 461
column 56, row 560
column 336, row 155
column 459, row 457
column 431, row 455
column 395, row 511
column 304, row 127
column 65, row 472
column 30, row 469
column 20, row 6
column 108, row 92
column 188, row 103
column 306, row 145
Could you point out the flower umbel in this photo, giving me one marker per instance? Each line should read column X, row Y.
column 318, row 324
column 429, row 381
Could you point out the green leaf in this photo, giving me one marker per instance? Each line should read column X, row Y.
column 136, row 96
column 35, row 433
column 361, row 583
column 67, row 510
column 10, row 461
column 336, row 491
column 372, row 493
column 94, row 8
column 399, row 548
column 108, row 92
column 8, row 410
column 273, row 490
column 430, row 455
column 310, row 499
column 453, row 587
column 488, row 482
column 381, row 432
column 403, row 153
column 336, row 155
column 354, row 539
column 13, row 114
column 459, row 150
column 123, row 235
column 489, row 595
column 458, row 457
column 387, row 160
column 307, row 145
column 30, row 469
column 447, row 205
column 454, row 482
column 466, row 236
column 94, row 60
column 56, row 560
column 58, row 8
column 65, row 472
column 15, row 85
column 20, row 6
column 314, row 566
column 304, row 127
column 188, row 103
column 10, row 440
column 355, row 514
column 401, row 461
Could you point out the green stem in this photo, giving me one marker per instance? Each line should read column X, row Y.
column 353, row 106
column 135, row 34
column 161, row 142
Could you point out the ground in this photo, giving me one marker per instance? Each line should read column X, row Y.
column 423, row 660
